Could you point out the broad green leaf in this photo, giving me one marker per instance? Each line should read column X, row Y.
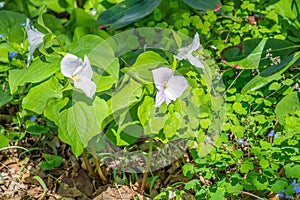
column 5, row 49
column 288, row 105
column 203, row 4
column 286, row 8
column 5, row 97
column 217, row 195
column 144, row 110
column 246, row 167
column 54, row 107
column 261, row 182
column 80, row 18
column 37, row 97
column 238, row 108
column 105, row 82
column 192, row 184
column 51, row 162
column 38, row 71
column 271, row 73
column 126, row 12
column 10, row 20
column 127, row 94
column 85, row 45
column 292, row 170
column 256, row 52
column 4, row 141
column 188, row 170
column 141, row 70
column 279, row 185
column 80, row 123
column 50, row 23
column 125, row 135
column 57, row 6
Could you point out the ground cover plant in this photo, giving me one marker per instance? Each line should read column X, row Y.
column 138, row 99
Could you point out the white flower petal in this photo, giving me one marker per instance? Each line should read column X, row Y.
column 195, row 61
column 159, row 98
column 87, row 86
column 35, row 39
column 185, row 52
column 87, row 68
column 161, row 76
column 182, row 53
column 176, row 86
column 69, row 64
column 195, row 44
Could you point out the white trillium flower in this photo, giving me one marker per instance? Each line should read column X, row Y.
column 169, row 87
column 80, row 72
column 35, row 39
column 185, row 53
column 2, row 4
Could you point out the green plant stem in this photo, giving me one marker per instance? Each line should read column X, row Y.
column 233, row 82
column 87, row 163
column 100, row 173
column 148, row 161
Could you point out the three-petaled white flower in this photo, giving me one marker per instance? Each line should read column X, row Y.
column 35, row 39
column 80, row 72
column 169, row 87
column 185, row 53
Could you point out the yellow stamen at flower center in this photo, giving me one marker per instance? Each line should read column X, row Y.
column 166, row 85
column 75, row 78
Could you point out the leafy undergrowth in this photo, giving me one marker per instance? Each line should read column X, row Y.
column 179, row 99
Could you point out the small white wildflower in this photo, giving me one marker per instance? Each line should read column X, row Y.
column 80, row 72
column 2, row 4
column 35, row 39
column 169, row 87
column 185, row 53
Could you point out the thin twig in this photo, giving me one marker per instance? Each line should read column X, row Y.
column 250, row 194
column 119, row 191
column 233, row 82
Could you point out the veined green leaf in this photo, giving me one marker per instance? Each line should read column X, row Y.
column 38, row 71
column 203, row 4
column 287, row 105
column 81, row 122
column 128, row 94
column 127, row 12
column 10, row 20
column 271, row 73
column 141, row 70
column 256, row 53
column 37, row 97
column 54, row 107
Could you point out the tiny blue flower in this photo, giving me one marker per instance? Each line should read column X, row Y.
column 33, row 118
column 297, row 189
column 12, row 55
column 1, row 36
column 280, row 195
column 23, row 24
column 271, row 134
column 240, row 141
column 287, row 196
column 294, row 182
column 275, row 135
